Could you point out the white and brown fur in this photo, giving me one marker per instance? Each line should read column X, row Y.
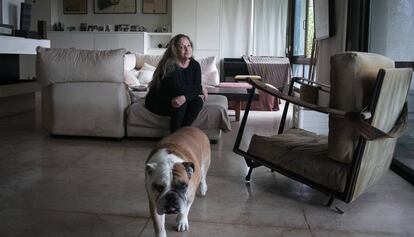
column 175, row 169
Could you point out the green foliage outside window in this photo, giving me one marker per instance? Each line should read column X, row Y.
column 310, row 30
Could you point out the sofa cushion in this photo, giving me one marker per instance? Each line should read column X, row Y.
column 213, row 115
column 145, row 76
column 74, row 65
column 130, row 61
column 353, row 77
column 130, row 78
column 152, row 60
column 209, row 73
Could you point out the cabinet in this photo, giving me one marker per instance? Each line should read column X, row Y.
column 131, row 41
column 77, row 40
column 140, row 42
column 183, row 17
column 311, row 120
column 208, row 25
column 17, row 96
column 200, row 20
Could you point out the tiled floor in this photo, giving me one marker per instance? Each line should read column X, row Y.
column 95, row 187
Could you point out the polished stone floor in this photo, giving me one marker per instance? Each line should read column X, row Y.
column 61, row 186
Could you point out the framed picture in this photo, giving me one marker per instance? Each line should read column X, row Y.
column 75, row 7
column 115, row 6
column 6, row 30
column 154, row 6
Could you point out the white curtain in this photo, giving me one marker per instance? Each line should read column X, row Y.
column 236, row 28
column 269, row 25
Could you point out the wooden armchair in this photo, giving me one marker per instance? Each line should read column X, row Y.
column 367, row 112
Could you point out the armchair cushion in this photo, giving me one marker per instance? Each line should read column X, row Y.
column 353, row 75
column 302, row 152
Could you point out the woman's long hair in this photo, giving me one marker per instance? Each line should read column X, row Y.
column 169, row 60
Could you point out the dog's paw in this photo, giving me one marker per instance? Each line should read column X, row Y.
column 161, row 234
column 202, row 191
column 182, row 225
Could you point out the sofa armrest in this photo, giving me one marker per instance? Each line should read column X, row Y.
column 85, row 109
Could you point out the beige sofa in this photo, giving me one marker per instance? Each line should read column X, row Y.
column 84, row 94
column 213, row 118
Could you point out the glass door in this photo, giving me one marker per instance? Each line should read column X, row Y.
column 301, row 35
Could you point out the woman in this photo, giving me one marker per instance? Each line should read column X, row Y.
column 175, row 89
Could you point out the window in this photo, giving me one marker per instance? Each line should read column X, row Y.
column 301, row 35
column 391, row 34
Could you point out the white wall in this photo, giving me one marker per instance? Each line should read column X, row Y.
column 52, row 12
column 41, row 10
column 392, row 29
column 150, row 21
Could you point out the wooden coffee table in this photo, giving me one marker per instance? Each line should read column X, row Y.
column 237, row 95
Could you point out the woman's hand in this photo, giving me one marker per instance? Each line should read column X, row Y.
column 178, row 101
column 204, row 96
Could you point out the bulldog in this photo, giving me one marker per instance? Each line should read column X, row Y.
column 175, row 168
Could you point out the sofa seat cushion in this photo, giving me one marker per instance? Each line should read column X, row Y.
column 213, row 115
column 304, row 153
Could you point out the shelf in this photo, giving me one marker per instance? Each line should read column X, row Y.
column 153, row 39
column 159, row 33
column 20, row 45
column 155, row 51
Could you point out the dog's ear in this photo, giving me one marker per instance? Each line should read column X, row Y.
column 150, row 167
column 189, row 167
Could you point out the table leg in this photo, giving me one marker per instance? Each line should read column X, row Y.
column 237, row 108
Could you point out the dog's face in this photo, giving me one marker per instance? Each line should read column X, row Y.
column 167, row 185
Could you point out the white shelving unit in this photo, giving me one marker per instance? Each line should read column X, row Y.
column 140, row 42
column 154, row 40
column 18, row 97
column 20, row 45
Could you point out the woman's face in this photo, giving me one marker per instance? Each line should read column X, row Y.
column 185, row 49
